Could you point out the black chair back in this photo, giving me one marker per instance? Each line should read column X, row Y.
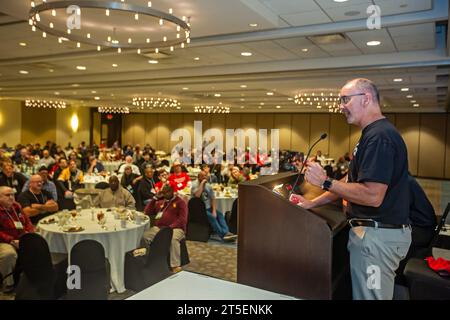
column 37, row 280
column 198, row 227
column 234, row 218
column 89, row 256
column 102, row 185
column 144, row 271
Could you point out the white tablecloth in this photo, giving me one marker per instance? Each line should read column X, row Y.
column 111, row 166
column 224, row 202
column 116, row 240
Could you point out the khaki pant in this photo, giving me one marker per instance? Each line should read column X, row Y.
column 8, row 258
column 178, row 235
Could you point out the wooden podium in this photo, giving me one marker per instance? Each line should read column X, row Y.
column 287, row 249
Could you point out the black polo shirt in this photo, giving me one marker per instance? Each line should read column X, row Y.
column 27, row 198
column 381, row 156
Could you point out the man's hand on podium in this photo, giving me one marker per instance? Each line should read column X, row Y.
column 301, row 201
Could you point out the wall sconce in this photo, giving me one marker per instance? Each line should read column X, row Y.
column 74, row 123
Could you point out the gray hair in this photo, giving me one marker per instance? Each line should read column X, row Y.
column 367, row 86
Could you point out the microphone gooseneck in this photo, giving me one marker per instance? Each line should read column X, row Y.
column 323, row 136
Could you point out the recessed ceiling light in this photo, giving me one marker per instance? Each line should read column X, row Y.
column 373, row 43
column 81, row 67
column 269, row 93
column 259, row 107
column 178, row 107
column 197, row 58
column 97, row 98
column 253, row 25
column 398, row 80
column 93, row 91
column 243, row 86
column 57, row 93
column 114, row 65
column 51, row 70
column 217, row 95
column 153, row 61
column 413, row 101
column 305, row 49
column 246, row 54
column 340, row 0
column 405, row 89
column 290, row 99
column 23, row 72
column 22, row 44
column 278, row 107
column 416, row 105
column 261, row 103
column 185, row 88
column 242, row 99
column 409, row 96
column 75, row 85
column 242, row 107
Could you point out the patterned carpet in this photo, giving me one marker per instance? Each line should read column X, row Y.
column 214, row 259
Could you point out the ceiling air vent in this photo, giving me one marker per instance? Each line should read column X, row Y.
column 328, row 39
column 156, row 56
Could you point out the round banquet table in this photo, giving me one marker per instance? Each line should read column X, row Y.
column 115, row 239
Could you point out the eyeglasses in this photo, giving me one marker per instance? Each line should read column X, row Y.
column 9, row 195
column 346, row 99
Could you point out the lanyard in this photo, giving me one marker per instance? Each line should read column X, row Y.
column 18, row 219
column 167, row 204
column 43, row 201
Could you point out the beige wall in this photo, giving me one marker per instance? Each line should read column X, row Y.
column 10, row 122
column 38, row 125
column 427, row 136
column 64, row 132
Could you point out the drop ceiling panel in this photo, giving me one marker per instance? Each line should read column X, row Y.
column 282, row 7
column 327, row 4
column 272, row 50
column 306, row 18
column 390, row 7
column 350, row 12
column 360, row 39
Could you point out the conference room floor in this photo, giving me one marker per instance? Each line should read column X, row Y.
column 220, row 259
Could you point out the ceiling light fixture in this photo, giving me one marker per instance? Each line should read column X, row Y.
column 113, row 109
column 373, row 43
column 153, row 61
column 153, row 18
column 50, row 104
column 398, row 80
column 246, row 54
column 328, row 98
column 152, row 102
column 405, row 89
column 23, row 72
column 81, row 68
column 212, row 109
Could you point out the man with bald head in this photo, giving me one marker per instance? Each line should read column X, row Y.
column 115, row 196
column 36, row 202
column 376, row 190
column 13, row 224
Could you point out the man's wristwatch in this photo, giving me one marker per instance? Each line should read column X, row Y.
column 326, row 185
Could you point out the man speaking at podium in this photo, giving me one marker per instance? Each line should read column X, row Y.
column 376, row 190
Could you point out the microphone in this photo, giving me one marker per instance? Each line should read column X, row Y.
column 323, row 136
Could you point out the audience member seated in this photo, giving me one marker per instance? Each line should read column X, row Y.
column 21, row 156
column 115, row 196
column 36, row 202
column 12, row 179
column 29, row 167
column 146, row 188
column 247, row 174
column 46, row 159
column 47, row 185
column 96, row 167
column 146, row 161
column 130, row 181
column 77, row 157
column 320, row 158
column 70, row 179
column 178, row 178
column 235, row 177
column 104, row 155
column 203, row 190
column 13, row 224
column 57, row 168
column 163, row 177
column 171, row 211
column 129, row 162
column 209, row 177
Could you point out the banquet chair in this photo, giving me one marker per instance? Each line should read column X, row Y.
column 232, row 224
column 198, row 227
column 37, row 276
column 102, row 185
column 89, row 256
column 142, row 271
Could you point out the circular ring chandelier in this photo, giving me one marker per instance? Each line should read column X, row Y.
column 44, row 17
column 319, row 98
column 212, row 109
column 113, row 109
column 151, row 102
column 50, row 104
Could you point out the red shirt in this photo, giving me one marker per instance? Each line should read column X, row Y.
column 8, row 231
column 175, row 212
column 159, row 185
column 179, row 181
